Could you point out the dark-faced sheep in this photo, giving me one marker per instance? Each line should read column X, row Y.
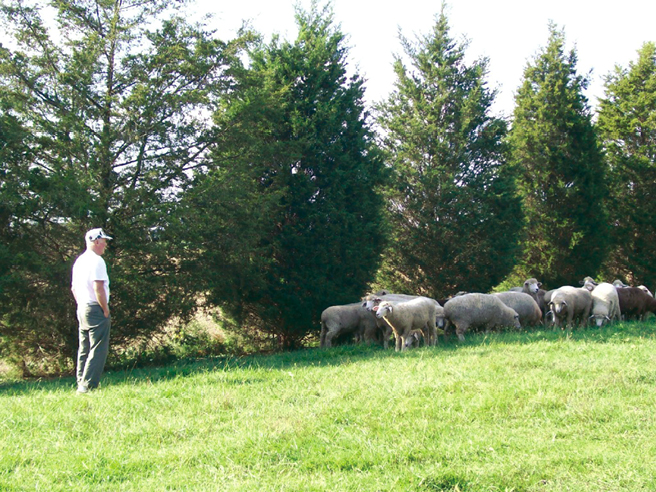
column 404, row 317
column 479, row 311
column 569, row 305
column 635, row 303
column 605, row 304
column 524, row 305
column 344, row 319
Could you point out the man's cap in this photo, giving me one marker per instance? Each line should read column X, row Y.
column 97, row 233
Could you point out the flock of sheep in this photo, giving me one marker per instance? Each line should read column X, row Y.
column 414, row 318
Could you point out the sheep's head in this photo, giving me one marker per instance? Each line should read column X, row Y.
column 532, row 285
column 370, row 301
column 516, row 322
column 383, row 309
column 413, row 340
column 558, row 306
column 588, row 283
column 600, row 319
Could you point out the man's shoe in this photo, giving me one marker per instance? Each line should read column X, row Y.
column 82, row 388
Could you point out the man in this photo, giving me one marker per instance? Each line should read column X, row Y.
column 90, row 286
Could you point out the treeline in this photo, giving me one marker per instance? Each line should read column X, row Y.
column 250, row 175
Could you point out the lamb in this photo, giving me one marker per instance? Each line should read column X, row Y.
column 571, row 304
column 479, row 310
column 524, row 305
column 403, row 317
column 415, row 338
column 634, row 302
column 371, row 300
column 605, row 304
column 348, row 318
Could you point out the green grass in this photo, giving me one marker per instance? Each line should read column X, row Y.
column 533, row 411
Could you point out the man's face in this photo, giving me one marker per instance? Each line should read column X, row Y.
column 99, row 246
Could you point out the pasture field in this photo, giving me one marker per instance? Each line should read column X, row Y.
column 529, row 411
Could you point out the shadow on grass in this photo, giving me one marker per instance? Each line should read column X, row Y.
column 348, row 354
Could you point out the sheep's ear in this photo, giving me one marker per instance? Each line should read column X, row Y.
column 539, row 284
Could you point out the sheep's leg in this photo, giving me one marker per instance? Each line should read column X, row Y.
column 570, row 321
column 460, row 331
column 329, row 338
column 399, row 342
column 428, row 336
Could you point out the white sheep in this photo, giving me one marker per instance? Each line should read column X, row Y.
column 344, row 319
column 524, row 305
column 403, row 317
column 570, row 304
column 605, row 304
column 533, row 288
column 372, row 300
column 479, row 310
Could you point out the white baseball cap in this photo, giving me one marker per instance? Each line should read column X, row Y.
column 94, row 234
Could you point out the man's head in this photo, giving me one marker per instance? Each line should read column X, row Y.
column 96, row 240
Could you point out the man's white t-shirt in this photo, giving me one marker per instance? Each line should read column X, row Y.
column 88, row 268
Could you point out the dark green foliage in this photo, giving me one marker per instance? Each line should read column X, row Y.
column 294, row 186
column 115, row 123
column 560, row 170
column 451, row 201
column 627, row 126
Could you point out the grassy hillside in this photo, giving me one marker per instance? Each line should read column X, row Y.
column 531, row 411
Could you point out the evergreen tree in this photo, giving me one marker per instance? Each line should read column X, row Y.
column 627, row 125
column 295, row 137
column 560, row 170
column 113, row 102
column 452, row 203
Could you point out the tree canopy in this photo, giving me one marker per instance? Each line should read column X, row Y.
column 627, row 127
column 452, row 205
column 116, row 115
column 560, row 170
column 297, row 137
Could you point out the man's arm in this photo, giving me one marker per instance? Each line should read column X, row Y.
column 99, row 289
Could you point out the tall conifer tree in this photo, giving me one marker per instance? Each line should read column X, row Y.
column 560, row 170
column 452, row 203
column 627, row 124
column 296, row 136
column 113, row 101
